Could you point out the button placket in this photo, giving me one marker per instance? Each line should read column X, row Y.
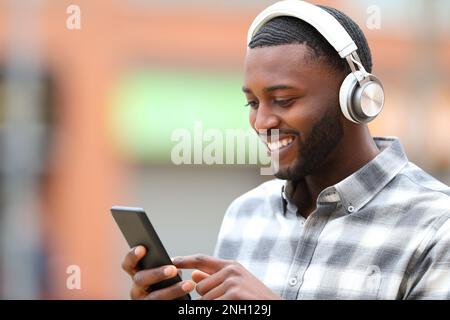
column 313, row 227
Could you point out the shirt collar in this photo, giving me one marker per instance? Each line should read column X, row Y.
column 359, row 188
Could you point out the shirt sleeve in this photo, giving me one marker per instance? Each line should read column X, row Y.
column 430, row 277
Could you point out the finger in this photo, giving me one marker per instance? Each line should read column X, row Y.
column 201, row 262
column 198, row 276
column 146, row 278
column 175, row 291
column 227, row 296
column 137, row 292
column 211, row 282
column 132, row 258
column 215, row 293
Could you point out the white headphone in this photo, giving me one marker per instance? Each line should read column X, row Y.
column 361, row 95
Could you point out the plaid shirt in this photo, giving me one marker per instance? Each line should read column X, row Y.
column 381, row 233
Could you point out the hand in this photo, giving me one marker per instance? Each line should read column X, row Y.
column 224, row 279
column 141, row 280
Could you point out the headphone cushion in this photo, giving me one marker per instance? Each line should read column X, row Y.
column 346, row 95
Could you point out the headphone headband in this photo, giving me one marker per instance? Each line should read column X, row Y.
column 321, row 20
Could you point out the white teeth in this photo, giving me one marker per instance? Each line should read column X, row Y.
column 275, row 145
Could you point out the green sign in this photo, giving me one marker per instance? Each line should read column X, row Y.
column 149, row 107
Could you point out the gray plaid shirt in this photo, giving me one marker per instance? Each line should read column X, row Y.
column 381, row 233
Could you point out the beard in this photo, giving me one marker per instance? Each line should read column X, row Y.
column 314, row 150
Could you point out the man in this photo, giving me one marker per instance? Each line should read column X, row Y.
column 349, row 217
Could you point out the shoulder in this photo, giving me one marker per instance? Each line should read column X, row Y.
column 424, row 179
column 247, row 212
column 424, row 188
column 425, row 199
column 265, row 197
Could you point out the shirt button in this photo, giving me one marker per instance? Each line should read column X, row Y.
column 350, row 209
column 293, row 281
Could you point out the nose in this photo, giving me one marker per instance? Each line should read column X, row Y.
column 265, row 119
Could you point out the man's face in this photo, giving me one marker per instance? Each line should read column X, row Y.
column 298, row 95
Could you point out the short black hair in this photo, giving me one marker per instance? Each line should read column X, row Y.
column 289, row 30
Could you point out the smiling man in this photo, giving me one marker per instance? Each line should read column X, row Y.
column 349, row 217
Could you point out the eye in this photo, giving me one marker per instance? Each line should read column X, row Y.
column 283, row 102
column 252, row 104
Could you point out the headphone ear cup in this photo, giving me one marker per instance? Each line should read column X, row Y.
column 368, row 100
column 346, row 91
column 361, row 103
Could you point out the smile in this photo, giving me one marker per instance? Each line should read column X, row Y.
column 280, row 144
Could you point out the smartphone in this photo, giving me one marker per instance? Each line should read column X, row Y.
column 137, row 230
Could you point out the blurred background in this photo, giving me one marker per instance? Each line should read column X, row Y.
column 88, row 105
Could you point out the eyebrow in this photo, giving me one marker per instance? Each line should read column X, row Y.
column 270, row 89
